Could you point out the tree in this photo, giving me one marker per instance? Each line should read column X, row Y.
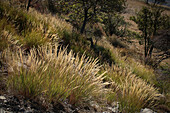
column 30, row 3
column 144, row 22
column 113, row 23
column 87, row 10
column 149, row 21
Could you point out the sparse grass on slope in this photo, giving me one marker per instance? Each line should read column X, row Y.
column 135, row 67
column 26, row 28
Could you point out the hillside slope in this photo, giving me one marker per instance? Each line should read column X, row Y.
column 41, row 70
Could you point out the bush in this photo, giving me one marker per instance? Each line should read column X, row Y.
column 117, row 42
column 114, row 24
column 133, row 34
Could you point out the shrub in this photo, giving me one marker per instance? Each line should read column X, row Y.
column 133, row 34
column 117, row 42
column 55, row 74
column 114, row 24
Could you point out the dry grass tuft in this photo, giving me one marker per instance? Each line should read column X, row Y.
column 132, row 92
column 54, row 73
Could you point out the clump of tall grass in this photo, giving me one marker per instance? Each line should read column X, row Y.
column 132, row 92
column 6, row 40
column 144, row 72
column 33, row 39
column 54, row 74
column 3, row 42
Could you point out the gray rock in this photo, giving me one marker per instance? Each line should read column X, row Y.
column 147, row 110
column 2, row 98
column 3, row 111
column 95, row 106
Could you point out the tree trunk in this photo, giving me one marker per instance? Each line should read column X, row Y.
column 145, row 34
column 150, row 51
column 147, row 1
column 84, row 21
column 28, row 5
column 91, row 41
column 156, row 21
column 155, row 2
column 51, row 6
column 145, row 46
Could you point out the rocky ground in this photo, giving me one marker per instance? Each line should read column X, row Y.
column 13, row 104
column 18, row 104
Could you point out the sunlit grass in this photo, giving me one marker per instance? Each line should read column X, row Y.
column 132, row 92
column 55, row 74
column 135, row 67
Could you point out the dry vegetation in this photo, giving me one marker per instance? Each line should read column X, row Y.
column 56, row 73
column 132, row 92
column 53, row 73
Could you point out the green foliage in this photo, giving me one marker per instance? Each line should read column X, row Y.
column 15, row 16
column 144, row 20
column 165, row 23
column 27, row 83
column 84, row 11
column 144, row 73
column 133, row 34
column 149, row 21
column 19, row 19
column 139, row 70
column 51, row 6
column 114, row 24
